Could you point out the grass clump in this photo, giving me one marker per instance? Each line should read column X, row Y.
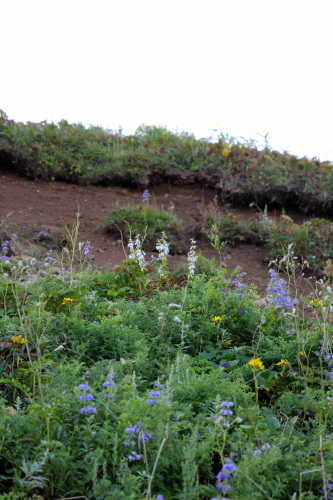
column 148, row 222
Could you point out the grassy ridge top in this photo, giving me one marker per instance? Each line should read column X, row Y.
column 92, row 155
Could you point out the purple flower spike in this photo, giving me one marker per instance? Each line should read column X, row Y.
column 227, row 404
column 83, row 387
column 226, row 413
column 229, row 466
column 145, row 196
column 86, row 397
column 88, row 409
column 155, row 394
column 223, row 477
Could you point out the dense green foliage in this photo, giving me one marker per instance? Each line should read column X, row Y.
column 312, row 240
column 177, row 380
column 132, row 383
column 147, row 221
column 241, row 172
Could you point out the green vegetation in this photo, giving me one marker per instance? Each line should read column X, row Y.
column 134, row 383
column 241, row 172
column 312, row 240
column 127, row 383
column 149, row 222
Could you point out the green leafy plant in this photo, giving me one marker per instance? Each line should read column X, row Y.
column 149, row 223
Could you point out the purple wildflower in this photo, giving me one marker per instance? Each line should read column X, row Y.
column 49, row 257
column 154, row 397
column 227, row 404
column 145, row 436
column 5, row 247
column 278, row 292
column 229, row 466
column 145, row 196
column 159, row 386
column 225, row 488
column 223, row 477
column 83, row 387
column 86, row 250
column 86, row 397
column 226, row 413
column 155, row 394
column 238, row 284
column 134, row 456
column 326, row 490
column 265, row 446
column 88, row 409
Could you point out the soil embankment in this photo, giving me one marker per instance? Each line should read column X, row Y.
column 28, row 207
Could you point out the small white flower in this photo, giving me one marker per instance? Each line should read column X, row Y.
column 177, row 320
column 136, row 253
column 59, row 348
column 192, row 257
column 161, row 317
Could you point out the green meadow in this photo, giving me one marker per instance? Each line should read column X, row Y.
column 135, row 382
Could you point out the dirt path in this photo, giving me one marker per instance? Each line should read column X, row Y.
column 36, row 206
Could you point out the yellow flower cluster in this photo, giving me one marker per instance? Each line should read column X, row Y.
column 256, row 363
column 18, row 340
column 217, row 319
column 282, row 362
column 67, row 300
column 316, row 303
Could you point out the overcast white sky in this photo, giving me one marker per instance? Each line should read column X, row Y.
column 252, row 66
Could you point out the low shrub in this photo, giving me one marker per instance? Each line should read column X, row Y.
column 147, row 222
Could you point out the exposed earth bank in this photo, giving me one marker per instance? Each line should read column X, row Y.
column 28, row 207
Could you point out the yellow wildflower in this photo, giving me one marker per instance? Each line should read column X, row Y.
column 282, row 362
column 302, row 353
column 217, row 319
column 316, row 303
column 18, row 340
column 256, row 363
column 67, row 300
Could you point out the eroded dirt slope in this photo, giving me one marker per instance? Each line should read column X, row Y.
column 29, row 207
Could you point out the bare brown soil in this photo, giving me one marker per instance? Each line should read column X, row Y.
column 28, row 207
